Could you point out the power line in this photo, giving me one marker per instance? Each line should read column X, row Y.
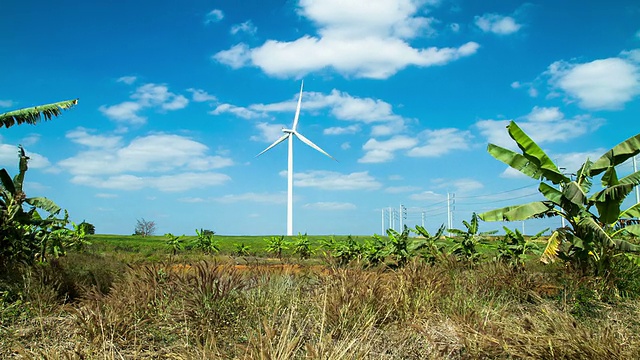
column 498, row 193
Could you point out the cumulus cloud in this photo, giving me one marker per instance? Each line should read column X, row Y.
column 127, row 79
column 497, row 24
column 163, row 161
column 9, row 158
column 147, row 96
column 238, row 111
column 198, row 95
column 352, row 129
column 347, row 31
column 214, row 16
column 382, row 151
column 542, row 124
column 440, row 142
column 246, row 27
column 600, row 84
column 329, row 180
column 82, row 136
column 268, row 132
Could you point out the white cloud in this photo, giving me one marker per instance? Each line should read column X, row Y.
column 146, row 96
column 270, row 198
column 342, row 105
column 9, row 158
column 347, row 31
column 124, row 112
column 113, row 166
column 6, row 103
column 345, row 146
column 463, row 185
column 543, row 125
column 81, row 136
column 599, row 84
column 268, row 132
column 246, row 27
column 631, row 55
column 235, row 110
column 351, row 129
column 544, row 114
column 427, row 196
column 127, row 79
column 167, row 183
column 440, row 142
column 497, row 24
column 198, row 95
column 638, row 34
column 105, row 195
column 455, row 27
column 237, row 56
column 383, row 151
column 329, row 180
column 214, row 16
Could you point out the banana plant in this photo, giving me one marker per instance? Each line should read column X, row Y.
column 589, row 240
column 466, row 240
column 24, row 234
column 427, row 245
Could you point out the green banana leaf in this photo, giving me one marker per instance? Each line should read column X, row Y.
column 515, row 160
column 33, row 115
column 519, row 212
column 44, row 204
column 535, row 154
column 631, row 212
column 617, row 155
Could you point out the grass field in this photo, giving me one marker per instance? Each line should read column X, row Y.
column 129, row 297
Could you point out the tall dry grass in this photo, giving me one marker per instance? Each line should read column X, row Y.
column 209, row 310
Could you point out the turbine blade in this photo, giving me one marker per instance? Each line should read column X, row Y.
column 282, row 138
column 308, row 142
column 295, row 119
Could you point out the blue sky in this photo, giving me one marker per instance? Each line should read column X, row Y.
column 177, row 98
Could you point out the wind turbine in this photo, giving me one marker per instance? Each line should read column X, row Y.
column 289, row 134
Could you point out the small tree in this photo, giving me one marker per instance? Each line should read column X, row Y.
column 145, row 228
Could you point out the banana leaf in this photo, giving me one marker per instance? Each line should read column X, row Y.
column 617, row 155
column 33, row 115
column 535, row 154
column 515, row 160
column 519, row 212
column 583, row 178
column 44, row 204
column 631, row 212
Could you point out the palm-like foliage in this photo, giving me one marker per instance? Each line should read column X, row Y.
column 33, row 115
column 589, row 240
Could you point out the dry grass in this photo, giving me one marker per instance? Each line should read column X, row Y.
column 219, row 311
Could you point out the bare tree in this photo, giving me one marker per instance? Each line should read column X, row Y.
column 144, row 227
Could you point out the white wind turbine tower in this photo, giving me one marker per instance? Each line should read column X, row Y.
column 288, row 134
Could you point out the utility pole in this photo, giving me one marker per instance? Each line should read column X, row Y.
column 382, row 232
column 390, row 218
column 393, row 219
column 635, row 169
column 403, row 216
column 422, row 217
